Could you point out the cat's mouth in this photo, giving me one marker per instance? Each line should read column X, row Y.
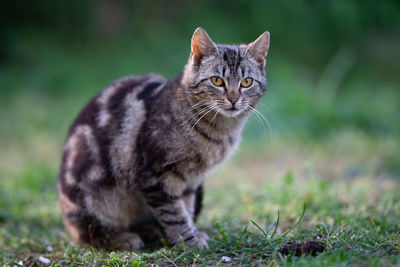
column 233, row 108
column 230, row 112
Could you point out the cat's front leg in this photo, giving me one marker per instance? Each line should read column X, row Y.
column 178, row 223
column 170, row 210
column 194, row 201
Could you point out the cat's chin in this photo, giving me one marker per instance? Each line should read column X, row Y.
column 230, row 113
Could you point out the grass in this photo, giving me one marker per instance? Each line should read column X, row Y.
column 332, row 146
column 351, row 205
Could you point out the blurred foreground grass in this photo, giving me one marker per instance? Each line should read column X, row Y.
column 332, row 143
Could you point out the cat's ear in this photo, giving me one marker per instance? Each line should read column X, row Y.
column 259, row 48
column 202, row 45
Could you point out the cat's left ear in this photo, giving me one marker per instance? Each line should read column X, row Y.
column 202, row 45
column 259, row 48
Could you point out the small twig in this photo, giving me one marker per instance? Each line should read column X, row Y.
column 168, row 259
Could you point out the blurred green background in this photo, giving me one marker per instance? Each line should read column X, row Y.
column 333, row 97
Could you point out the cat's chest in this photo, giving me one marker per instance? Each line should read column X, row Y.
column 203, row 156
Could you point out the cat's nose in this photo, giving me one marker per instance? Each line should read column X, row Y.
column 233, row 100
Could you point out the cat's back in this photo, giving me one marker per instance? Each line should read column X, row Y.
column 106, row 109
column 99, row 142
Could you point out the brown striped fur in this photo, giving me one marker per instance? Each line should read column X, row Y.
column 136, row 156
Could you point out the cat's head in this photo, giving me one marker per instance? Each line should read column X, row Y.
column 228, row 79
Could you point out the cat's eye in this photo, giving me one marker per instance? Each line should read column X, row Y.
column 217, row 81
column 246, row 82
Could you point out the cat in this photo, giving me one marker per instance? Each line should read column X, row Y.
column 136, row 156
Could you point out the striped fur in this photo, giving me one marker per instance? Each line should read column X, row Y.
column 136, row 156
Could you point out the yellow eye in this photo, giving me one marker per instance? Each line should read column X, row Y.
column 246, row 82
column 217, row 81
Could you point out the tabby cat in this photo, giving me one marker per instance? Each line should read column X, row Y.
column 136, row 156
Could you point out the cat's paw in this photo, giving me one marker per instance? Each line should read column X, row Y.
column 200, row 240
column 128, row 241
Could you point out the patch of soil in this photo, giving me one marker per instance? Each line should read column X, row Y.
column 29, row 261
column 311, row 247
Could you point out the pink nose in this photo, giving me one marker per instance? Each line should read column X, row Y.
column 233, row 100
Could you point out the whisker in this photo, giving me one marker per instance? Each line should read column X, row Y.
column 211, row 109
column 194, row 115
column 259, row 121
column 265, row 106
column 260, row 117
column 197, row 105
column 201, row 103
column 214, row 117
column 197, row 114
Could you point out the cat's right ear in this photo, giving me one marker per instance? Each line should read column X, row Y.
column 259, row 48
column 202, row 46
